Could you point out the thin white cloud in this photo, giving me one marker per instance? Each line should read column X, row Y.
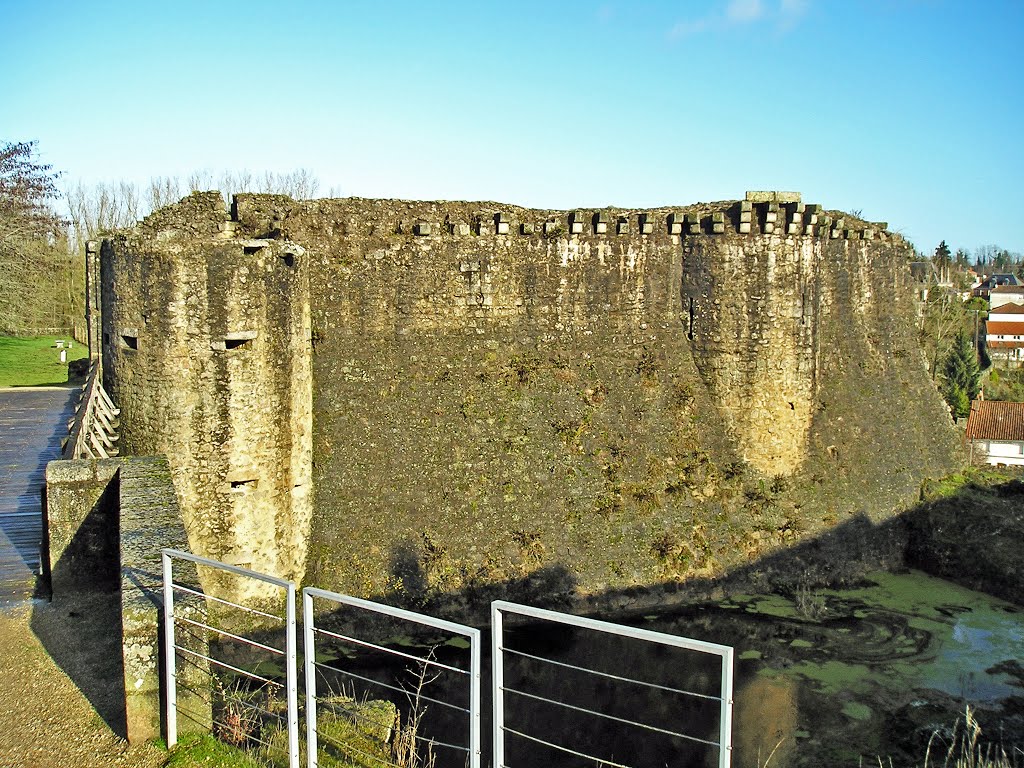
column 744, row 11
column 688, row 28
column 783, row 14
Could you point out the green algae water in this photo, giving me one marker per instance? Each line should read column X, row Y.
column 842, row 677
column 822, row 678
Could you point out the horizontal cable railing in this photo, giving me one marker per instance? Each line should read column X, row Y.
column 316, row 637
column 557, row 701
column 239, row 710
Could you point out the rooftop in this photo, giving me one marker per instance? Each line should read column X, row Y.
column 1004, row 328
column 1011, row 308
column 995, row 420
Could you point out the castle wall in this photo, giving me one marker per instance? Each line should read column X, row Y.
column 206, row 343
column 482, row 394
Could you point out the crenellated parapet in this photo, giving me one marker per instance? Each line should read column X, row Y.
column 365, row 368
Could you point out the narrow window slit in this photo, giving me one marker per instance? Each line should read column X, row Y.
column 129, row 342
column 233, row 340
column 238, row 485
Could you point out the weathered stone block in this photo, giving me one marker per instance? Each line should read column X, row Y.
column 423, row 228
column 81, row 518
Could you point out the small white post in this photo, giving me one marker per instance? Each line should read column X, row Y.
column 309, row 670
column 291, row 675
column 474, row 701
column 170, row 677
column 725, row 719
column 497, row 684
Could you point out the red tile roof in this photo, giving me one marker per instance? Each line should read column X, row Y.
column 1008, row 309
column 995, row 420
column 1008, row 289
column 1004, row 328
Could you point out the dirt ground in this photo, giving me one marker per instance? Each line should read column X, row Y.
column 45, row 717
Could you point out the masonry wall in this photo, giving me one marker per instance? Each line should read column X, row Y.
column 206, row 343
column 488, row 395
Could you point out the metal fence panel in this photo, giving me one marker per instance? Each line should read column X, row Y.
column 312, row 632
column 724, row 696
column 171, row 648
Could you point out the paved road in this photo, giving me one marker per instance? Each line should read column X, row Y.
column 32, row 423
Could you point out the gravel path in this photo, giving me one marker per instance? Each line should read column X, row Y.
column 45, row 720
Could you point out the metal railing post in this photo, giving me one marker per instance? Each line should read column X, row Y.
column 725, row 721
column 291, row 679
column 474, row 704
column 309, row 673
column 497, row 685
column 171, row 684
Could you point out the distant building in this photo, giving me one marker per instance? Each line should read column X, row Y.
column 1004, row 333
column 994, row 281
column 995, row 431
column 1006, row 294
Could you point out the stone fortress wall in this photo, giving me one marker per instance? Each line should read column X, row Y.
column 432, row 396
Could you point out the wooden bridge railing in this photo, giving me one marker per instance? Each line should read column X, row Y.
column 93, row 430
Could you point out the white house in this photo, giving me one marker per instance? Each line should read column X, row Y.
column 1005, row 294
column 995, row 431
column 1004, row 332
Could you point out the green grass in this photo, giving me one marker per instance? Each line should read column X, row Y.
column 194, row 751
column 35, row 362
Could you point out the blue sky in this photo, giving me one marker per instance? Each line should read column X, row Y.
column 908, row 110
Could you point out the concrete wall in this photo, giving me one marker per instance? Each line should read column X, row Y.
column 480, row 394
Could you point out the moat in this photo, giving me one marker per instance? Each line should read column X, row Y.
column 823, row 677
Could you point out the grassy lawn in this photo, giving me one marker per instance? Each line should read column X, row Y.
column 35, row 361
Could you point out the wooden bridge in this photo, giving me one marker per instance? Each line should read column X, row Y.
column 33, row 422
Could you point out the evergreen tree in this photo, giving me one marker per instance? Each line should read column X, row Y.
column 942, row 258
column 962, row 375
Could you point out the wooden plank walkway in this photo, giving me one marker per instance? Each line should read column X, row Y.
column 32, row 423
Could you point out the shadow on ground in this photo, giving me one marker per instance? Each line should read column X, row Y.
column 954, row 536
